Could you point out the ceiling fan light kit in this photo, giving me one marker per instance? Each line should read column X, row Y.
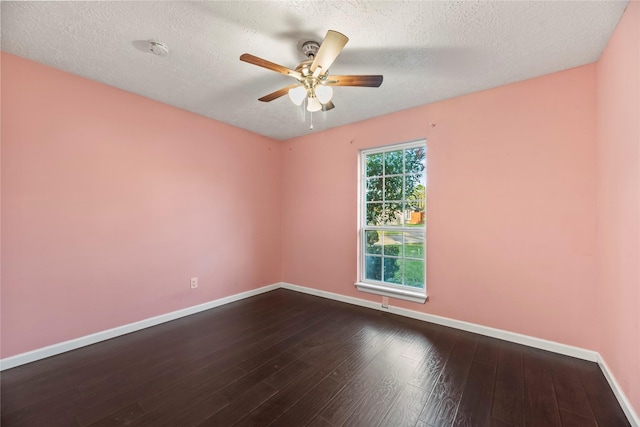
column 313, row 80
column 297, row 95
column 313, row 104
column 324, row 93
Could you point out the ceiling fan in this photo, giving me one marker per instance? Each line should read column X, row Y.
column 313, row 80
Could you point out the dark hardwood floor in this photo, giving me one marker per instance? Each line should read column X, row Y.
column 289, row 359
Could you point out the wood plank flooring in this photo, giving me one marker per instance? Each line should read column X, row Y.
column 289, row 359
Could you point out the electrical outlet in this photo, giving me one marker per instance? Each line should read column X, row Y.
column 194, row 282
column 385, row 302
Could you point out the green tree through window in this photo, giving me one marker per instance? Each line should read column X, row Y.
column 394, row 206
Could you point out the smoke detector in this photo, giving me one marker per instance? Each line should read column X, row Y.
column 158, row 48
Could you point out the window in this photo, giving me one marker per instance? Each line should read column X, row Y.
column 393, row 185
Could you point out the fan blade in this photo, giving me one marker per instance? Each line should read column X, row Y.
column 328, row 106
column 329, row 51
column 277, row 94
column 251, row 59
column 367, row 81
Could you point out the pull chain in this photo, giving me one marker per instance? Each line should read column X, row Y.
column 311, row 120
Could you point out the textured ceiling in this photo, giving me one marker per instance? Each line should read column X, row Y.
column 426, row 50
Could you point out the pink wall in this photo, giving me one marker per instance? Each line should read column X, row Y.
column 618, row 139
column 111, row 202
column 511, row 207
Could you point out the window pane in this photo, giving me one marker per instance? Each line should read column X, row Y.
column 415, row 207
column 393, row 188
column 373, row 268
column 393, row 243
column 415, row 159
column 393, row 270
column 414, row 273
column 414, row 213
column 414, row 244
column 392, row 214
column 393, row 162
column 374, row 189
column 373, row 245
column 415, row 186
column 374, row 164
column 374, row 214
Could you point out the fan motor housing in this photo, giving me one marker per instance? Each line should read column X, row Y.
column 310, row 48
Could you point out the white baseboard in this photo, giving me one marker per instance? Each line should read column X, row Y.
column 540, row 343
column 52, row 350
column 555, row 347
column 633, row 418
column 73, row 344
column 552, row 346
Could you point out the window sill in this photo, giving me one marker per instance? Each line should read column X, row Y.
column 387, row 291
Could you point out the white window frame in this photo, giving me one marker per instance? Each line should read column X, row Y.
column 378, row 287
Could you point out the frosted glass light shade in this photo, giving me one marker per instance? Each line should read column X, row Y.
column 324, row 93
column 313, row 104
column 297, row 94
